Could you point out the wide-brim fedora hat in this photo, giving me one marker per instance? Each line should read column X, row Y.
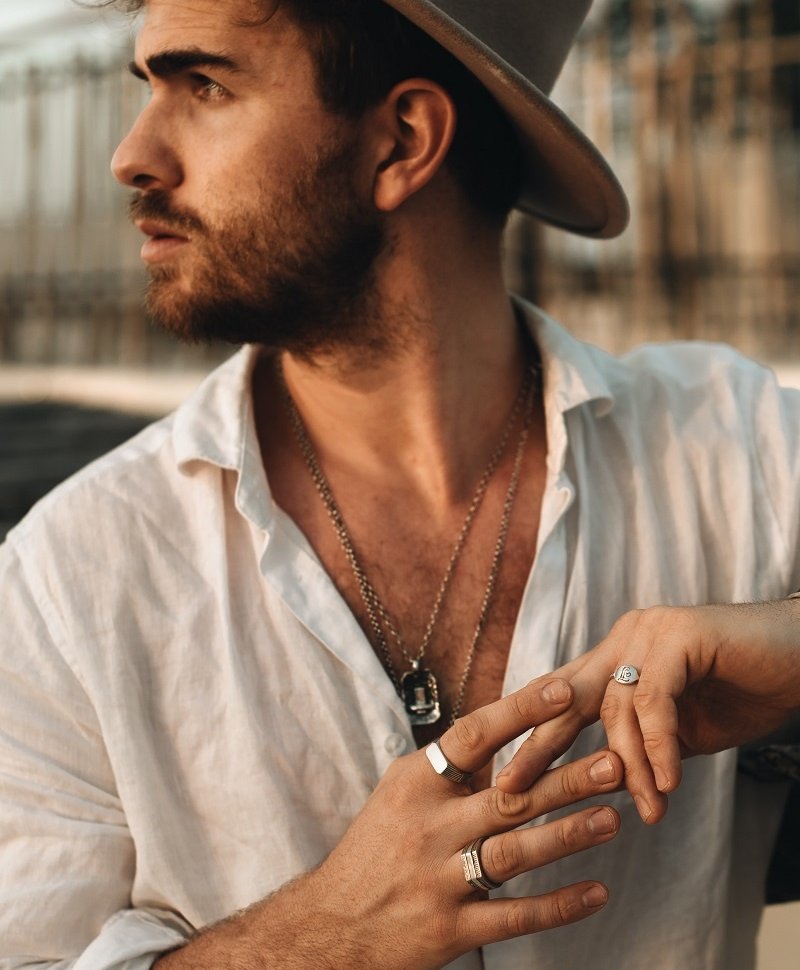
column 516, row 48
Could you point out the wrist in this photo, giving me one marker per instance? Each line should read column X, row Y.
column 292, row 929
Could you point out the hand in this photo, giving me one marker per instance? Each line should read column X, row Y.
column 398, row 869
column 392, row 895
column 711, row 678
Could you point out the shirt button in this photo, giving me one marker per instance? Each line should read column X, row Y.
column 395, row 744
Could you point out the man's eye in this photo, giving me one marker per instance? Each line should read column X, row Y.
column 207, row 88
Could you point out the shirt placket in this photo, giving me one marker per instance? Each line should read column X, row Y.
column 297, row 576
column 535, row 645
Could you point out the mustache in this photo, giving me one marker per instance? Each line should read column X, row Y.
column 155, row 204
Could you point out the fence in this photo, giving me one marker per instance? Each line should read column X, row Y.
column 699, row 115
column 71, row 282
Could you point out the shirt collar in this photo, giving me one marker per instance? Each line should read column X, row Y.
column 216, row 424
column 572, row 370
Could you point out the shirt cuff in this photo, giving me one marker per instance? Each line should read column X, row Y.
column 133, row 939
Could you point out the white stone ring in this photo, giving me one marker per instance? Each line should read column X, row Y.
column 443, row 767
column 626, row 674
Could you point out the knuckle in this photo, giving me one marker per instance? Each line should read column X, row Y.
column 656, row 616
column 394, row 797
column 655, row 740
column 389, row 785
column 521, row 704
column 652, row 705
column 658, row 620
column 646, row 697
column 399, row 789
column 655, row 708
column 517, row 920
column 567, row 836
column 627, row 622
column 564, row 907
column 442, row 926
column 505, row 806
column 612, row 707
column 502, row 857
column 574, row 783
column 470, row 732
column 653, row 615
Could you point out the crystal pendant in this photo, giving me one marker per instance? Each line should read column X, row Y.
column 420, row 696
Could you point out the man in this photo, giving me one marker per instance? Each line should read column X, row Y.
column 406, row 499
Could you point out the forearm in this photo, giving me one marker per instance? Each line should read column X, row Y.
column 291, row 929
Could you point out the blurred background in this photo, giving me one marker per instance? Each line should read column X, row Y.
column 696, row 104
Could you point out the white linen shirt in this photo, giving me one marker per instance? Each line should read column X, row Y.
column 190, row 715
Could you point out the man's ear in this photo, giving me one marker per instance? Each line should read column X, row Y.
column 413, row 129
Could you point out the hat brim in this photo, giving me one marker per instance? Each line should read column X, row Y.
column 568, row 183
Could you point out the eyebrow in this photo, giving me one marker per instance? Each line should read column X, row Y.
column 173, row 62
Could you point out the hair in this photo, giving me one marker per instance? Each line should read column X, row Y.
column 363, row 48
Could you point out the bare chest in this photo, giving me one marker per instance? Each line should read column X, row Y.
column 465, row 644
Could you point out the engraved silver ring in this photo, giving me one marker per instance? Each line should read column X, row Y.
column 625, row 674
column 443, row 767
column 473, row 868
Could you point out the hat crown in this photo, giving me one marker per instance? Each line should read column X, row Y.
column 533, row 36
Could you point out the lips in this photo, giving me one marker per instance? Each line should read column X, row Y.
column 163, row 242
column 157, row 230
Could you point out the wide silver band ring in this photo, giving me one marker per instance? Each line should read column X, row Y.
column 473, row 870
column 625, row 674
column 443, row 767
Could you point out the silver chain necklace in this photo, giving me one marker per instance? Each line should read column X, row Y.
column 418, row 686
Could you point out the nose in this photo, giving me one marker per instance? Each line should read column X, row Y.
column 144, row 159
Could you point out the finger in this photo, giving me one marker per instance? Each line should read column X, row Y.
column 657, row 714
column 474, row 739
column 548, row 742
column 494, row 920
column 624, row 737
column 537, row 752
column 492, row 810
column 510, row 854
column 648, row 741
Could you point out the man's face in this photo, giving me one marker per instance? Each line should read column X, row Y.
column 246, row 185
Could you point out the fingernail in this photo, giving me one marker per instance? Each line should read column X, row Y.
column 662, row 780
column 602, row 822
column 594, row 897
column 643, row 807
column 602, row 771
column 556, row 692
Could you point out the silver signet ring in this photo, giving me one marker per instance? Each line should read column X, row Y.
column 443, row 767
column 626, row 674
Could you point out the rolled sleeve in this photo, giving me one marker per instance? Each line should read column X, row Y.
column 132, row 940
column 775, row 444
column 67, row 859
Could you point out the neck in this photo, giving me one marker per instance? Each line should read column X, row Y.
column 425, row 416
column 422, row 409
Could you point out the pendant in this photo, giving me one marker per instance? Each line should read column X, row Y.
column 421, row 697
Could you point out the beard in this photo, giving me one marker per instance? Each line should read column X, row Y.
column 292, row 270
